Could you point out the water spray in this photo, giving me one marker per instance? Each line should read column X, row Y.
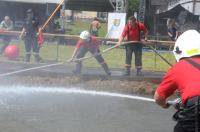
column 23, row 91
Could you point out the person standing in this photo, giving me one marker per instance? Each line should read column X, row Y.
column 6, row 25
column 87, row 43
column 172, row 29
column 132, row 32
column 184, row 76
column 94, row 27
column 31, row 31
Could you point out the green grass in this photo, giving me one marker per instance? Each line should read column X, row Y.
column 79, row 26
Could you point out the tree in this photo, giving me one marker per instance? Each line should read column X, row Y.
column 133, row 5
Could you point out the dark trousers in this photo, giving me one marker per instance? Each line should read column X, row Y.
column 137, row 49
column 81, row 53
column 188, row 116
column 31, row 43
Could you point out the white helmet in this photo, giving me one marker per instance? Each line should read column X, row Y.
column 85, row 35
column 187, row 45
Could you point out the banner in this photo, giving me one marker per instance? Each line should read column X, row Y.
column 116, row 23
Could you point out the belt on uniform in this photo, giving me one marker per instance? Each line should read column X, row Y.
column 191, row 111
column 192, row 101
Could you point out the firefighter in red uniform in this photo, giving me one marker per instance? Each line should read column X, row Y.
column 88, row 43
column 184, row 77
column 132, row 32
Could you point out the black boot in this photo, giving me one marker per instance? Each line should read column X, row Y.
column 78, row 68
column 106, row 69
column 28, row 57
column 37, row 58
column 139, row 72
column 127, row 72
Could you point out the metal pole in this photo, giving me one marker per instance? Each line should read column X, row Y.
column 62, row 16
column 126, row 6
column 194, row 6
column 57, row 52
column 155, row 56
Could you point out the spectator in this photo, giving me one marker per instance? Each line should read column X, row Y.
column 88, row 43
column 132, row 32
column 6, row 25
column 172, row 29
column 94, row 27
column 184, row 77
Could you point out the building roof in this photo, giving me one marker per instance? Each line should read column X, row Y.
column 174, row 12
column 82, row 5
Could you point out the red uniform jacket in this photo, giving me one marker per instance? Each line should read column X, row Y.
column 184, row 77
column 133, row 34
column 91, row 44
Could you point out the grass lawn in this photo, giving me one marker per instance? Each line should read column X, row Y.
column 79, row 26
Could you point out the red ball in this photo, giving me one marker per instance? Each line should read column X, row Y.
column 11, row 52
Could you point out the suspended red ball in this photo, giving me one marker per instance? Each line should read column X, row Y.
column 11, row 51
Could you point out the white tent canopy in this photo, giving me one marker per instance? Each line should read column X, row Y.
column 190, row 5
column 34, row 1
